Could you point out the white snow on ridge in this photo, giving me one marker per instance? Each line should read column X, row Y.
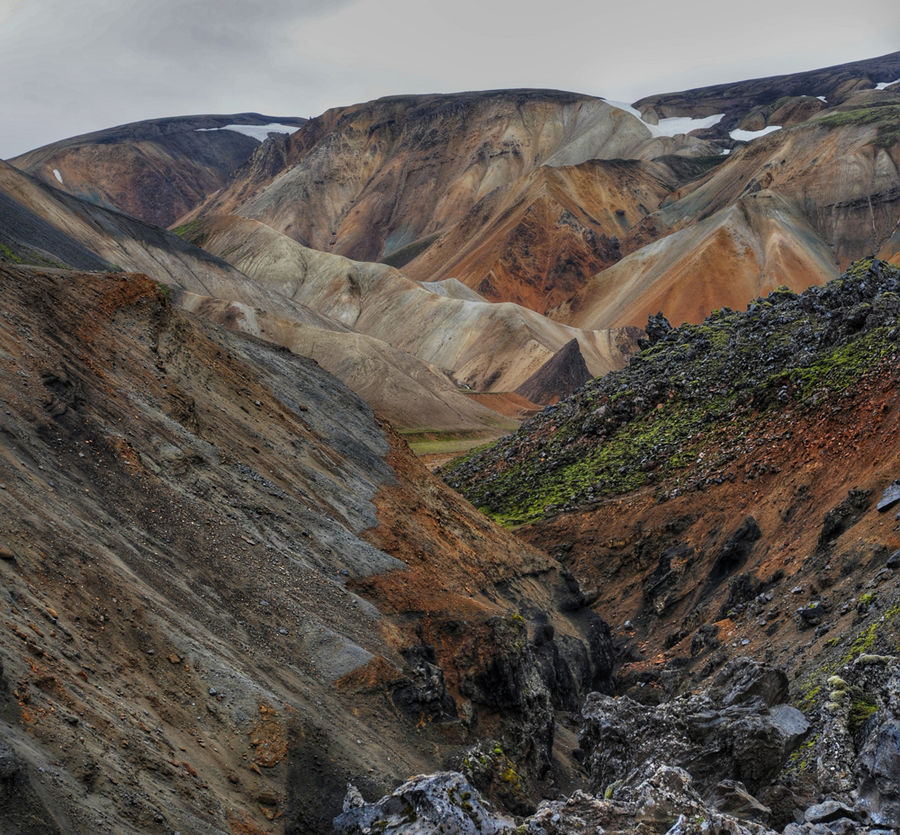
column 881, row 85
column 672, row 125
column 57, row 175
column 822, row 99
column 747, row 135
column 258, row 132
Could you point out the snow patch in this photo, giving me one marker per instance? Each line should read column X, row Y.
column 57, row 175
column 258, row 132
column 822, row 99
column 671, row 125
column 882, row 84
column 749, row 135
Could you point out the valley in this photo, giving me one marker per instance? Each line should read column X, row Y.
column 537, row 445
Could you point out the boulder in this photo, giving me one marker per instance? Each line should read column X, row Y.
column 444, row 802
column 737, row 730
column 890, row 496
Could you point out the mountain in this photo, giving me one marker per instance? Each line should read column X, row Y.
column 158, row 169
column 460, row 185
column 236, row 602
column 781, row 99
column 43, row 225
column 227, row 589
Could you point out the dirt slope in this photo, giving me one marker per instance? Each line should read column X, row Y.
column 187, row 521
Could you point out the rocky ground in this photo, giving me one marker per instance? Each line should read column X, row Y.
column 732, row 492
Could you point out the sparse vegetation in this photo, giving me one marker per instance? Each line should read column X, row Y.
column 886, row 117
column 6, row 254
column 685, row 405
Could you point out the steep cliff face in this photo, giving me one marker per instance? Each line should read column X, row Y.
column 156, row 170
column 227, row 589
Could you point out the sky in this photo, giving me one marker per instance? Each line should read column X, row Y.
column 73, row 66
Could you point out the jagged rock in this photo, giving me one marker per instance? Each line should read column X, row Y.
column 744, row 681
column 827, row 811
column 422, row 693
column 445, row 802
column 734, row 731
column 655, row 799
column 657, row 328
column 878, row 767
column 705, row 639
column 732, row 798
column 890, row 496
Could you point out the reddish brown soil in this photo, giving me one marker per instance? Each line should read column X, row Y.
column 787, row 483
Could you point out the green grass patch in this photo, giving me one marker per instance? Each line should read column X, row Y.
column 194, row 232
column 402, row 256
column 886, row 117
column 8, row 255
column 438, row 442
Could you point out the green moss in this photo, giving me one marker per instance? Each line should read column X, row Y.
column 193, row 231
column 6, row 254
column 843, row 367
column 860, row 711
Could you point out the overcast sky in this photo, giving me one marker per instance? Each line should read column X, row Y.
column 72, row 66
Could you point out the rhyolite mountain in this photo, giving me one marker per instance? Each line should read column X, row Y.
column 596, row 213
column 230, row 590
column 158, row 169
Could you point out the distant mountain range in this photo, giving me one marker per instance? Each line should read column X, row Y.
column 592, row 214
column 234, row 600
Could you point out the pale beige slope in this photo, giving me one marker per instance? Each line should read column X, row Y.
column 491, row 347
column 409, row 393
column 739, row 253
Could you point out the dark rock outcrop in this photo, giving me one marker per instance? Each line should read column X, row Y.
column 563, row 374
column 443, row 802
column 738, row 730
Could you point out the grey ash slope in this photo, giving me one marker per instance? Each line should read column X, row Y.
column 225, row 589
